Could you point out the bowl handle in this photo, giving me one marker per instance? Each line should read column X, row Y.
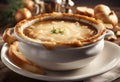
column 8, row 35
column 109, row 33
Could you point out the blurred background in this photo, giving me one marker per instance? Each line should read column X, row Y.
column 95, row 2
column 10, row 7
column 115, row 3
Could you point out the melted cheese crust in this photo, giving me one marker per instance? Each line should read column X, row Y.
column 50, row 31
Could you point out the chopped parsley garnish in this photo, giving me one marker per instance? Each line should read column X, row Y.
column 57, row 30
column 54, row 31
column 61, row 31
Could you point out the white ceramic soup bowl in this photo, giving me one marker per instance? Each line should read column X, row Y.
column 64, row 55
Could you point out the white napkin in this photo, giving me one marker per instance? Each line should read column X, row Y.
column 106, row 77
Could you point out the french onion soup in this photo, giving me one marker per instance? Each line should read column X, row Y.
column 60, row 30
column 60, row 41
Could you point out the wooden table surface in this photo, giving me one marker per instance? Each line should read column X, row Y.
column 6, row 75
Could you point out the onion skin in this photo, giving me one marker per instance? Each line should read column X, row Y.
column 22, row 14
column 105, row 14
column 29, row 4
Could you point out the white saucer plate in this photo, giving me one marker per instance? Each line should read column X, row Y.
column 104, row 62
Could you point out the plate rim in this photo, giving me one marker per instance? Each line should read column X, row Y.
column 29, row 74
